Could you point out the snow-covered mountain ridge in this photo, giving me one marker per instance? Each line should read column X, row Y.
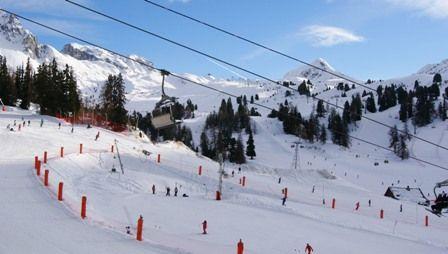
column 92, row 66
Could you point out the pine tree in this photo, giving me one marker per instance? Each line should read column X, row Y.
column 346, row 113
column 303, row 89
column 239, row 151
column 403, row 113
column 323, row 134
column 250, row 148
column 320, row 109
column 370, row 104
column 113, row 99
column 26, row 95
column 402, row 148
column 393, row 138
column 437, row 79
column 406, row 131
column 442, row 111
column 204, row 144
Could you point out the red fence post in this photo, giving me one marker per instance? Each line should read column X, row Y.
column 333, row 203
column 200, row 170
column 218, row 195
column 140, row 228
column 45, row 157
column 240, row 247
column 285, row 191
column 83, row 207
column 244, row 181
column 62, row 152
column 38, row 167
column 35, row 161
column 158, row 158
column 381, row 213
column 80, row 148
column 61, row 186
column 46, row 177
column 426, row 221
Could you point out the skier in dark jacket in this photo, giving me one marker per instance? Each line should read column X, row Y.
column 168, row 190
column 176, row 190
column 153, row 189
column 204, row 227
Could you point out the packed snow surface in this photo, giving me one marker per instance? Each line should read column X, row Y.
column 34, row 221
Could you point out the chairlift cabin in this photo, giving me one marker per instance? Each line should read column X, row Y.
column 441, row 201
column 162, row 115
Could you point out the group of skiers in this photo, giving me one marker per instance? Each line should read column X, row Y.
column 442, row 197
column 168, row 191
column 24, row 123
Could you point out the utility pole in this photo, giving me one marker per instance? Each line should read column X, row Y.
column 296, row 155
column 221, row 172
column 119, row 158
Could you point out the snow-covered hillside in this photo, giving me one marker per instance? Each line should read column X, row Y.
column 172, row 224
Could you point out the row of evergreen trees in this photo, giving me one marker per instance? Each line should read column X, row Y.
column 54, row 90
column 217, row 136
column 311, row 130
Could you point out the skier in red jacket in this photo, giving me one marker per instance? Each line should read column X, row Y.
column 308, row 249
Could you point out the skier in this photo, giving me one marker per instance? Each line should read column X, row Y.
column 233, row 173
column 59, row 124
column 41, row 122
column 239, row 170
column 168, row 191
column 308, row 249
column 357, row 206
column 140, row 134
column 128, row 230
column 20, row 126
column 401, row 208
column 14, row 122
column 175, row 191
column 313, row 189
column 29, row 122
column 279, row 180
column 153, row 189
column 204, row 227
column 284, row 201
column 370, row 202
column 97, row 136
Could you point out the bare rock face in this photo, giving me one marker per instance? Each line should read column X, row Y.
column 78, row 53
column 12, row 31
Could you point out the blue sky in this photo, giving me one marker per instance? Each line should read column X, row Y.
column 362, row 38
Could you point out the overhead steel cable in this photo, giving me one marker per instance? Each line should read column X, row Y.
column 239, row 68
column 195, row 82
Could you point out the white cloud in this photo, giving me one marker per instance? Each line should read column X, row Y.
column 327, row 36
column 432, row 8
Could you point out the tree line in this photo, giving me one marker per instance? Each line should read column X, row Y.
column 54, row 90
column 218, row 136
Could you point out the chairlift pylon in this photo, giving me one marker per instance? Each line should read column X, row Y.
column 162, row 115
